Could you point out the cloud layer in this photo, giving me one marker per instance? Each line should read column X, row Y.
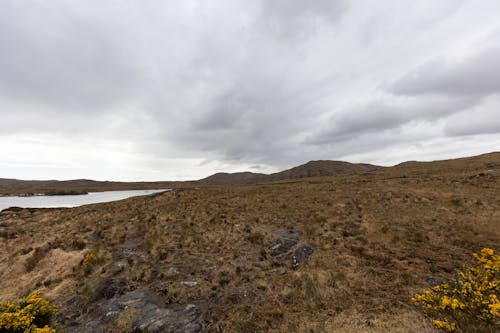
column 178, row 90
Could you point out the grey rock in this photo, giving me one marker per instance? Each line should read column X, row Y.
column 492, row 165
column 164, row 320
column 189, row 284
column 300, row 255
column 153, row 316
column 287, row 239
column 172, row 271
column 120, row 266
column 285, row 248
column 434, row 280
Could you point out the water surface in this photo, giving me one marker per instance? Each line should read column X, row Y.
column 53, row 201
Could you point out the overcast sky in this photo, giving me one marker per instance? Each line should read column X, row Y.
column 152, row 90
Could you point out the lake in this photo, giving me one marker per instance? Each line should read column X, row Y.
column 54, row 201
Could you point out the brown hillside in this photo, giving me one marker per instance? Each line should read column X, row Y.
column 234, row 178
column 15, row 186
column 333, row 254
column 310, row 169
column 323, row 169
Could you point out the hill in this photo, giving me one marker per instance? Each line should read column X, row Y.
column 15, row 186
column 234, row 178
column 322, row 169
column 342, row 253
column 310, row 169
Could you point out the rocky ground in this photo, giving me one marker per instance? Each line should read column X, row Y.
column 342, row 253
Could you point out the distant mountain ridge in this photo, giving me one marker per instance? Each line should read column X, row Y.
column 235, row 177
column 321, row 168
column 16, row 186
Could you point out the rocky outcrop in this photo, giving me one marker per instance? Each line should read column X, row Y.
column 300, row 255
column 287, row 247
column 286, row 240
column 146, row 313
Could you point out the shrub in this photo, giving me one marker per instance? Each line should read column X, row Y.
column 32, row 315
column 256, row 238
column 88, row 259
column 469, row 300
column 78, row 244
column 88, row 262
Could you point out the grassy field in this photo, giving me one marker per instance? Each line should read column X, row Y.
column 377, row 239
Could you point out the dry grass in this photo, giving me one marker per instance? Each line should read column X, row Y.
column 376, row 239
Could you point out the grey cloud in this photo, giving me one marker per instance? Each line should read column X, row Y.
column 234, row 82
column 431, row 92
column 245, row 126
column 484, row 126
column 295, row 18
column 475, row 75
column 52, row 55
column 482, row 119
column 227, row 112
column 353, row 122
column 377, row 116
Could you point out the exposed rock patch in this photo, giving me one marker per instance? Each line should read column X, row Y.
column 150, row 315
column 287, row 239
column 287, row 247
column 434, row 280
column 300, row 255
column 492, row 165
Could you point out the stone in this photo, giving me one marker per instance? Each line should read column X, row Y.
column 434, row 280
column 153, row 316
column 300, row 255
column 108, row 288
column 492, row 165
column 285, row 248
column 287, row 239
column 172, row 271
column 189, row 284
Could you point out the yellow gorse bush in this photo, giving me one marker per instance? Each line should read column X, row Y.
column 88, row 259
column 32, row 315
column 471, row 298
